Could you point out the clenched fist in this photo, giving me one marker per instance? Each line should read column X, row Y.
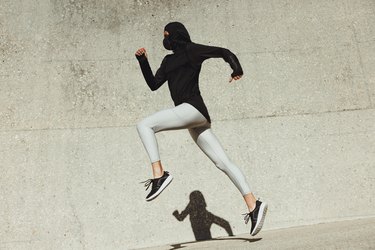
column 140, row 52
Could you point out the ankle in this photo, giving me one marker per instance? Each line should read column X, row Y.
column 250, row 201
column 157, row 169
column 159, row 174
column 252, row 207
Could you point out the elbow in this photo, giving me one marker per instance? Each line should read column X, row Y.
column 226, row 51
column 154, row 87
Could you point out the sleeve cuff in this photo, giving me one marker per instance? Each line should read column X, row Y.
column 141, row 57
column 237, row 73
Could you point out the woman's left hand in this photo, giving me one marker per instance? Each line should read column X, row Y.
column 235, row 78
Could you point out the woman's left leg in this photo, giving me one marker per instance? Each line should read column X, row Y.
column 210, row 145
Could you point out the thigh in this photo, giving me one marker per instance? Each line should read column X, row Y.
column 178, row 117
column 208, row 142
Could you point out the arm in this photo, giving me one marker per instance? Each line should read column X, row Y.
column 154, row 82
column 182, row 216
column 223, row 223
column 200, row 52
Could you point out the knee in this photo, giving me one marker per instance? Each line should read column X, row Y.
column 220, row 166
column 144, row 124
column 223, row 164
column 141, row 125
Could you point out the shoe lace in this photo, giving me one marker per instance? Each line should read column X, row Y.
column 248, row 215
column 147, row 183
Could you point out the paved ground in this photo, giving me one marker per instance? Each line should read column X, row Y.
column 353, row 234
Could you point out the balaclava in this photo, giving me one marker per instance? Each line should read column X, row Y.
column 178, row 36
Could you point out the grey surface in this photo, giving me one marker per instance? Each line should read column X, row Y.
column 351, row 234
column 300, row 123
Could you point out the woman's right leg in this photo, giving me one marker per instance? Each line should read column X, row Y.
column 179, row 117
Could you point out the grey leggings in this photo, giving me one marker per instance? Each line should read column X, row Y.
column 187, row 116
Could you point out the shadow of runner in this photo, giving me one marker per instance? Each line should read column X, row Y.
column 180, row 245
column 201, row 220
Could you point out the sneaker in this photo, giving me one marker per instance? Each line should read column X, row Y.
column 158, row 185
column 257, row 217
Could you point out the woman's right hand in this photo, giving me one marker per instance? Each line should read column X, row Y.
column 235, row 78
column 140, row 52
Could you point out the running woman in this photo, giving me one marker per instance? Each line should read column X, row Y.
column 181, row 69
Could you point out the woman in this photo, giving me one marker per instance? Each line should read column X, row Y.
column 181, row 69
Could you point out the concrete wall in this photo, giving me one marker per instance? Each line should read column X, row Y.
column 300, row 123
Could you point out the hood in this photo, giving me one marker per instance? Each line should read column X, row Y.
column 178, row 35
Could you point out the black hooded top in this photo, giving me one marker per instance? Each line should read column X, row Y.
column 181, row 69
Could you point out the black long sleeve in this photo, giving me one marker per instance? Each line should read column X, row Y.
column 200, row 52
column 182, row 69
column 154, row 82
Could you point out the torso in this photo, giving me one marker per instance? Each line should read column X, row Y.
column 183, row 82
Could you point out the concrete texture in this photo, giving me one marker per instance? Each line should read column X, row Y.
column 300, row 123
column 351, row 234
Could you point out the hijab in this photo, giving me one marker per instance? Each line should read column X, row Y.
column 177, row 40
column 178, row 36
